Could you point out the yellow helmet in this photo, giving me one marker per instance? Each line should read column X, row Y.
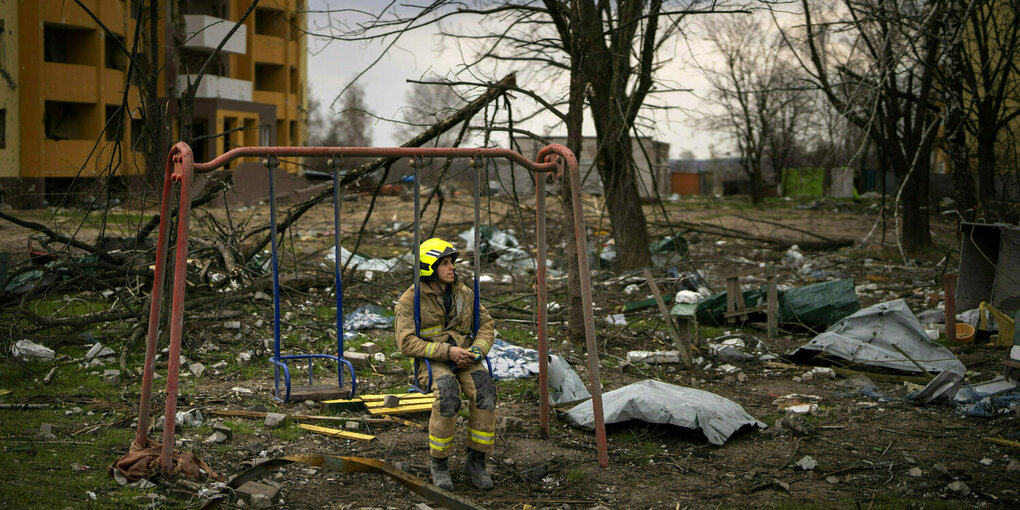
column 431, row 251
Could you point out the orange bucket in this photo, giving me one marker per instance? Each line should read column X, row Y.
column 964, row 333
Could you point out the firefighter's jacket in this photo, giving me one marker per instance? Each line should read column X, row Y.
column 440, row 331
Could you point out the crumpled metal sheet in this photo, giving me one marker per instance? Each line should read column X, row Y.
column 658, row 402
column 872, row 335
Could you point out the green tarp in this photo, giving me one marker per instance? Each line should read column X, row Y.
column 817, row 306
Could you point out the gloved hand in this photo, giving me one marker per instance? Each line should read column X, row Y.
column 476, row 352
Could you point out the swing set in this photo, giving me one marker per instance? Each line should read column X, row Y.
column 180, row 169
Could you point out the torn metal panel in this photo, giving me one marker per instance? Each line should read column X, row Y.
column 885, row 335
column 361, row 465
column 658, row 402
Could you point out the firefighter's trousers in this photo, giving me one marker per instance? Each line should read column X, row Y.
column 477, row 386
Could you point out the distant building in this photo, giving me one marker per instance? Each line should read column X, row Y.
column 650, row 156
column 64, row 79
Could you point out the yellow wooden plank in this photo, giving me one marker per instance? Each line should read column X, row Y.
column 403, row 402
column 336, row 433
column 370, row 398
column 401, row 410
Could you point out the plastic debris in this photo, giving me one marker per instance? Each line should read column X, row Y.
column 367, row 316
column 658, row 402
column 739, row 348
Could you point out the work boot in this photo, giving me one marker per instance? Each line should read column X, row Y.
column 441, row 474
column 474, row 466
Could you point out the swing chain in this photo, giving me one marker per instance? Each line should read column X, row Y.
column 417, row 162
column 476, row 161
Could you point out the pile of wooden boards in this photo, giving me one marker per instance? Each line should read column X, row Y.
column 404, row 403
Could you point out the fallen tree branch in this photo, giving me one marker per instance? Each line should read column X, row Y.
column 493, row 91
column 719, row 230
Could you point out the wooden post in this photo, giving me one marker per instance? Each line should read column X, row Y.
column 681, row 343
column 772, row 302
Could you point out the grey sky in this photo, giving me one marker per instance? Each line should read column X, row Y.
column 333, row 64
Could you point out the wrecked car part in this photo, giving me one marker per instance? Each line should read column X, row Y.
column 361, row 465
column 885, row 335
column 658, row 402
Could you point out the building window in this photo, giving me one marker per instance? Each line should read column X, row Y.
column 270, row 77
column 114, row 123
column 3, row 128
column 272, row 22
column 115, row 56
column 69, row 121
column 138, row 134
column 70, row 45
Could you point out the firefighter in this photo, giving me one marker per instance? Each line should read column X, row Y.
column 447, row 314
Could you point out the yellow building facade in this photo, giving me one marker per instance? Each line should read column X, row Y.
column 70, row 113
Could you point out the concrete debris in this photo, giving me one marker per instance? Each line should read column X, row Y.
column 217, row 437
column 225, row 430
column 111, row 377
column 232, row 325
column 94, row 351
column 358, row 359
column 915, row 472
column 1014, row 466
column 46, row 432
column 371, row 347
column 197, row 368
column 274, row 420
column 939, row 472
column 27, row 349
column 379, row 357
column 959, row 489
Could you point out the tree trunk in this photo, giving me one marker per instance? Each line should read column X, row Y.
column 916, row 237
column 575, row 120
column 956, row 135
column 986, row 167
column 630, row 233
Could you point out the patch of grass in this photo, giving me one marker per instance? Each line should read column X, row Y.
column 288, row 432
column 67, row 306
column 33, row 465
column 516, row 389
column 519, row 336
column 240, row 427
column 574, row 475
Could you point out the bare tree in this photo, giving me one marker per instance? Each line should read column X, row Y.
column 350, row 127
column 874, row 61
column 980, row 83
column 428, row 104
column 762, row 104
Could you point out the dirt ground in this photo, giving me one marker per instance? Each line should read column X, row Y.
column 870, row 453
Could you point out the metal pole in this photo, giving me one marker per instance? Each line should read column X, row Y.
column 417, row 162
column 541, row 306
column 183, row 170
column 268, row 162
column 476, row 319
column 567, row 157
column 336, row 269
column 154, row 305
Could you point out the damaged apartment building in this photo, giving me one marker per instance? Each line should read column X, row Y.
column 64, row 81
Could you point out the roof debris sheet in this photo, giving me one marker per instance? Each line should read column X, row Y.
column 885, row 335
column 658, row 402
